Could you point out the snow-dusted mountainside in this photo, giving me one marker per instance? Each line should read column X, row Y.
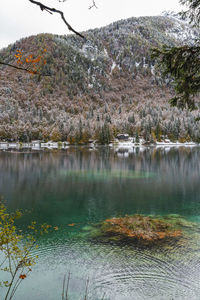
column 107, row 82
column 180, row 30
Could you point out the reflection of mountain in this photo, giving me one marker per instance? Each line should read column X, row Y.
column 109, row 79
column 39, row 181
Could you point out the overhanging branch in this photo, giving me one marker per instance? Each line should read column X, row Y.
column 13, row 66
column 22, row 69
column 54, row 10
column 93, row 5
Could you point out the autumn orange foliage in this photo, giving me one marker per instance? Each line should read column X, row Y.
column 22, row 276
column 31, row 63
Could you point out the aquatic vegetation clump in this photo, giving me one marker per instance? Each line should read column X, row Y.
column 138, row 227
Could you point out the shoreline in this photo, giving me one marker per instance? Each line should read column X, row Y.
column 154, row 145
column 19, row 147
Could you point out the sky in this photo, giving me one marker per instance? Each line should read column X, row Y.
column 21, row 18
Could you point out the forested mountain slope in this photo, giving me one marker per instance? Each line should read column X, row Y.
column 96, row 87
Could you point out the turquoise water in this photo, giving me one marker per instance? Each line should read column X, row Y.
column 83, row 187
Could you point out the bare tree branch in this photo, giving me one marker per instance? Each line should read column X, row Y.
column 50, row 11
column 22, row 69
column 53, row 10
column 13, row 66
column 93, row 5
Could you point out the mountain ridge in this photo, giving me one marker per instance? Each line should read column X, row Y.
column 108, row 83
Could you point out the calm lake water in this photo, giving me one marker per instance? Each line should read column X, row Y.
column 84, row 187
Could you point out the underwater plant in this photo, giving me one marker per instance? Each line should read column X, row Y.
column 138, row 227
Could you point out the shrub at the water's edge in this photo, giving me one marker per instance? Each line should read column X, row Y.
column 140, row 228
column 16, row 259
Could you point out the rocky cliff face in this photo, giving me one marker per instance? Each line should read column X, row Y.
column 96, row 87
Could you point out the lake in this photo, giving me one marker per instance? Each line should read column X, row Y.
column 74, row 189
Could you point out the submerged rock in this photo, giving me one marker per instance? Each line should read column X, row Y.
column 87, row 228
